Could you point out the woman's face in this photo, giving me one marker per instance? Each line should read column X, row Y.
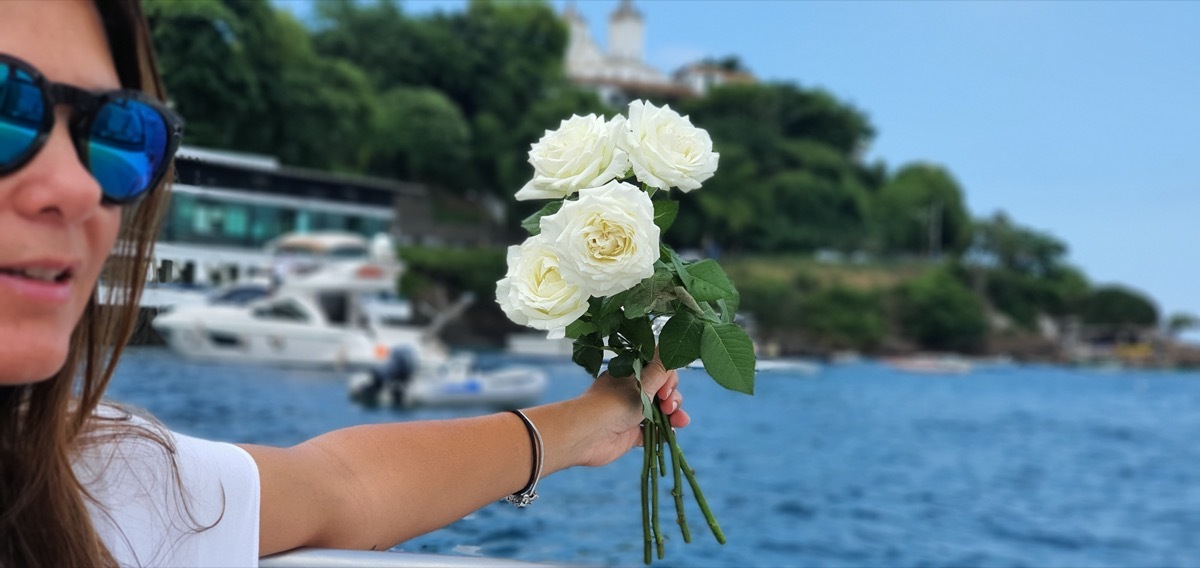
column 51, row 219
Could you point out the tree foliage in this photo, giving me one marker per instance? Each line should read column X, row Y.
column 245, row 77
column 921, row 211
column 1118, row 307
column 421, row 136
column 455, row 99
column 941, row 313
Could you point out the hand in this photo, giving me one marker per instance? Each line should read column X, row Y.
column 619, row 409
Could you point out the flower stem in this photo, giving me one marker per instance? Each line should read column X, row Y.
column 646, row 457
column 661, row 438
column 677, row 473
column 652, row 445
column 708, row 516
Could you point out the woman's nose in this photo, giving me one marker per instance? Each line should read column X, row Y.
column 55, row 185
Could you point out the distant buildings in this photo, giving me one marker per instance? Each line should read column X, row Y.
column 622, row 74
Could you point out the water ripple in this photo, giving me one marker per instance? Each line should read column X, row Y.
column 854, row 467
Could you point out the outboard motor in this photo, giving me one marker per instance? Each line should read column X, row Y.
column 386, row 383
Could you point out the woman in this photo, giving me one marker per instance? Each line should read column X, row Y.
column 86, row 484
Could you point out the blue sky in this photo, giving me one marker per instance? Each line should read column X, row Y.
column 1077, row 118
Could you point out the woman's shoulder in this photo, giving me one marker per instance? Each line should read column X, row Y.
column 160, row 492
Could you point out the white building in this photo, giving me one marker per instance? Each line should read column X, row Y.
column 620, row 74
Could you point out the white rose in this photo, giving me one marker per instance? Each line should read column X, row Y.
column 666, row 150
column 583, row 152
column 607, row 240
column 533, row 292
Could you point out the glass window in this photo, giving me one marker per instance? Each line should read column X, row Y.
column 286, row 310
column 303, row 222
column 236, row 224
column 266, row 223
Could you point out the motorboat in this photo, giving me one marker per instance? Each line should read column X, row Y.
column 786, row 365
column 331, row 303
column 931, row 365
column 537, row 345
column 775, row 365
column 454, row 381
column 323, row 308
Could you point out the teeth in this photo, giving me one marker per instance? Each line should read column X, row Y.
column 44, row 274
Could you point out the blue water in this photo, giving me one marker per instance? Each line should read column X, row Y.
column 856, row 466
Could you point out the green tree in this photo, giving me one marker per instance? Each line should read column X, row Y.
column 807, row 212
column 757, row 116
column 922, row 211
column 207, row 71
column 392, row 48
column 498, row 63
column 844, row 318
column 1119, row 308
column 245, row 77
column 941, row 313
column 1000, row 242
column 1180, row 322
column 789, row 177
column 422, row 136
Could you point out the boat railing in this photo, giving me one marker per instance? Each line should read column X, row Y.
column 332, row 558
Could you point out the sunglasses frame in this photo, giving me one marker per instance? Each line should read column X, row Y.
column 85, row 106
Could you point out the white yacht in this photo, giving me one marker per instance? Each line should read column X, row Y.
column 317, row 313
column 332, row 304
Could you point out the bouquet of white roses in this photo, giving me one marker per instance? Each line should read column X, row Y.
column 594, row 270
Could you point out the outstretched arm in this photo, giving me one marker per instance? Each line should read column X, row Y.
column 373, row 486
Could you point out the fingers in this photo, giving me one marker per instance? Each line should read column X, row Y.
column 664, row 384
column 680, row 418
column 669, row 386
column 670, row 399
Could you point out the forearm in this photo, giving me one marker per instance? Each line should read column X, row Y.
column 375, row 486
column 406, row 479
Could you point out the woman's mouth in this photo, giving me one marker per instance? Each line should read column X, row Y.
column 38, row 283
column 51, row 275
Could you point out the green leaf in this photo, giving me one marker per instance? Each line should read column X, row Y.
column 709, row 282
column 579, row 328
column 533, row 223
column 679, row 342
column 728, row 356
column 688, row 300
column 647, row 407
column 588, row 352
column 680, row 269
column 621, row 365
column 616, row 342
column 606, row 314
column 729, row 307
column 664, row 213
column 610, row 304
column 651, row 294
column 641, row 335
column 647, row 402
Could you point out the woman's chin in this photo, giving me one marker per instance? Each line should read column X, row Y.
column 25, row 362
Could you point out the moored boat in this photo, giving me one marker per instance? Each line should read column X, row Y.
column 322, row 310
column 931, row 364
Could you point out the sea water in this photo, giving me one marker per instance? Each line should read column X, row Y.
column 857, row 465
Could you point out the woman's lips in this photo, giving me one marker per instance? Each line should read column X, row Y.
column 38, row 283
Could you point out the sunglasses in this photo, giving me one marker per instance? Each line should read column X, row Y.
column 126, row 139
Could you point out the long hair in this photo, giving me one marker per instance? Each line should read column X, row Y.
column 44, row 520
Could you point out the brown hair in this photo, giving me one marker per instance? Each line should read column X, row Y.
column 44, row 520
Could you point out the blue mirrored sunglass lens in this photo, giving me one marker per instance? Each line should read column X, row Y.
column 126, row 148
column 21, row 112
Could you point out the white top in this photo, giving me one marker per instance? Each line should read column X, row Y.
column 148, row 518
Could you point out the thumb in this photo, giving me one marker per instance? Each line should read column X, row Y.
column 654, row 376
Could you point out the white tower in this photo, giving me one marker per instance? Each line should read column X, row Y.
column 626, row 33
column 583, row 55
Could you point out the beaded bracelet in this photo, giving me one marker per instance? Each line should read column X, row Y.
column 527, row 495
